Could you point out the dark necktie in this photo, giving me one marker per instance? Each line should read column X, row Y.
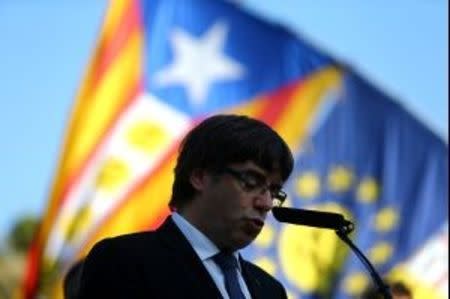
column 228, row 264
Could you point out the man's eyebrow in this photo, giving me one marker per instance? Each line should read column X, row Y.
column 255, row 172
column 276, row 185
column 264, row 176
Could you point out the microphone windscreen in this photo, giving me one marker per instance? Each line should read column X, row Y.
column 309, row 217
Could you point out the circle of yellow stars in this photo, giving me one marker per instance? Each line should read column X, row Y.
column 306, row 255
column 340, row 179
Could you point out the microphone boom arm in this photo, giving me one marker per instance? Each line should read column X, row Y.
column 382, row 287
column 342, row 228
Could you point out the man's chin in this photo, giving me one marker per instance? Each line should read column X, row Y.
column 245, row 239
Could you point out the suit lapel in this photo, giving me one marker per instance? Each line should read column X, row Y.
column 253, row 284
column 191, row 267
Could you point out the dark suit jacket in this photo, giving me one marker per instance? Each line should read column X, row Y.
column 160, row 264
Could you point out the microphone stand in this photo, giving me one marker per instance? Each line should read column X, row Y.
column 342, row 233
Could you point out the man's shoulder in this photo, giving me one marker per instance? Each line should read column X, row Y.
column 266, row 284
column 261, row 275
column 138, row 243
column 116, row 264
column 127, row 242
column 131, row 237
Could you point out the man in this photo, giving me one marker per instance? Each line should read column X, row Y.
column 228, row 176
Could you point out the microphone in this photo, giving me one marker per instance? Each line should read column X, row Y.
column 312, row 218
column 341, row 227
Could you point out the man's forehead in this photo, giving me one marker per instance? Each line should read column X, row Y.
column 273, row 175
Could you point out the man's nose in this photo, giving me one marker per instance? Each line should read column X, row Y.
column 264, row 200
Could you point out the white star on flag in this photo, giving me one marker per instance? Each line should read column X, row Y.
column 198, row 62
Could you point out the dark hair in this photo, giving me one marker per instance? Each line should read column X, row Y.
column 224, row 139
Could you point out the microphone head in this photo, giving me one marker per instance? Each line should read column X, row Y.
column 319, row 219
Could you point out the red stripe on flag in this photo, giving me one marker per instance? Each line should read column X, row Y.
column 30, row 281
column 130, row 21
column 30, row 284
column 277, row 102
column 132, row 96
column 134, row 92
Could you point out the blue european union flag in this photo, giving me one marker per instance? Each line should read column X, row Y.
column 376, row 163
column 372, row 161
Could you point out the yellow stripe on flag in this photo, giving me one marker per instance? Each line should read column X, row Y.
column 94, row 113
column 110, row 83
column 142, row 208
column 300, row 113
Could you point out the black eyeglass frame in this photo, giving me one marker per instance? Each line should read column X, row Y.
column 277, row 194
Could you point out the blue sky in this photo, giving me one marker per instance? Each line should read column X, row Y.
column 401, row 46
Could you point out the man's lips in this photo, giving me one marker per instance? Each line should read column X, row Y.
column 256, row 223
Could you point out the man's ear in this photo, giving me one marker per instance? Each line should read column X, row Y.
column 198, row 179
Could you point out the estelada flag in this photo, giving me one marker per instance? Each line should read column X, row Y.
column 160, row 67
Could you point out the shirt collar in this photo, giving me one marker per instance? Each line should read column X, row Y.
column 202, row 245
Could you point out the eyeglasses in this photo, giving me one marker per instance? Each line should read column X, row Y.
column 252, row 181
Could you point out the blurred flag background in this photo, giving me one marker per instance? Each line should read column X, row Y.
column 161, row 66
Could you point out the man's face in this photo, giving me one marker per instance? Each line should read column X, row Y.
column 229, row 210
